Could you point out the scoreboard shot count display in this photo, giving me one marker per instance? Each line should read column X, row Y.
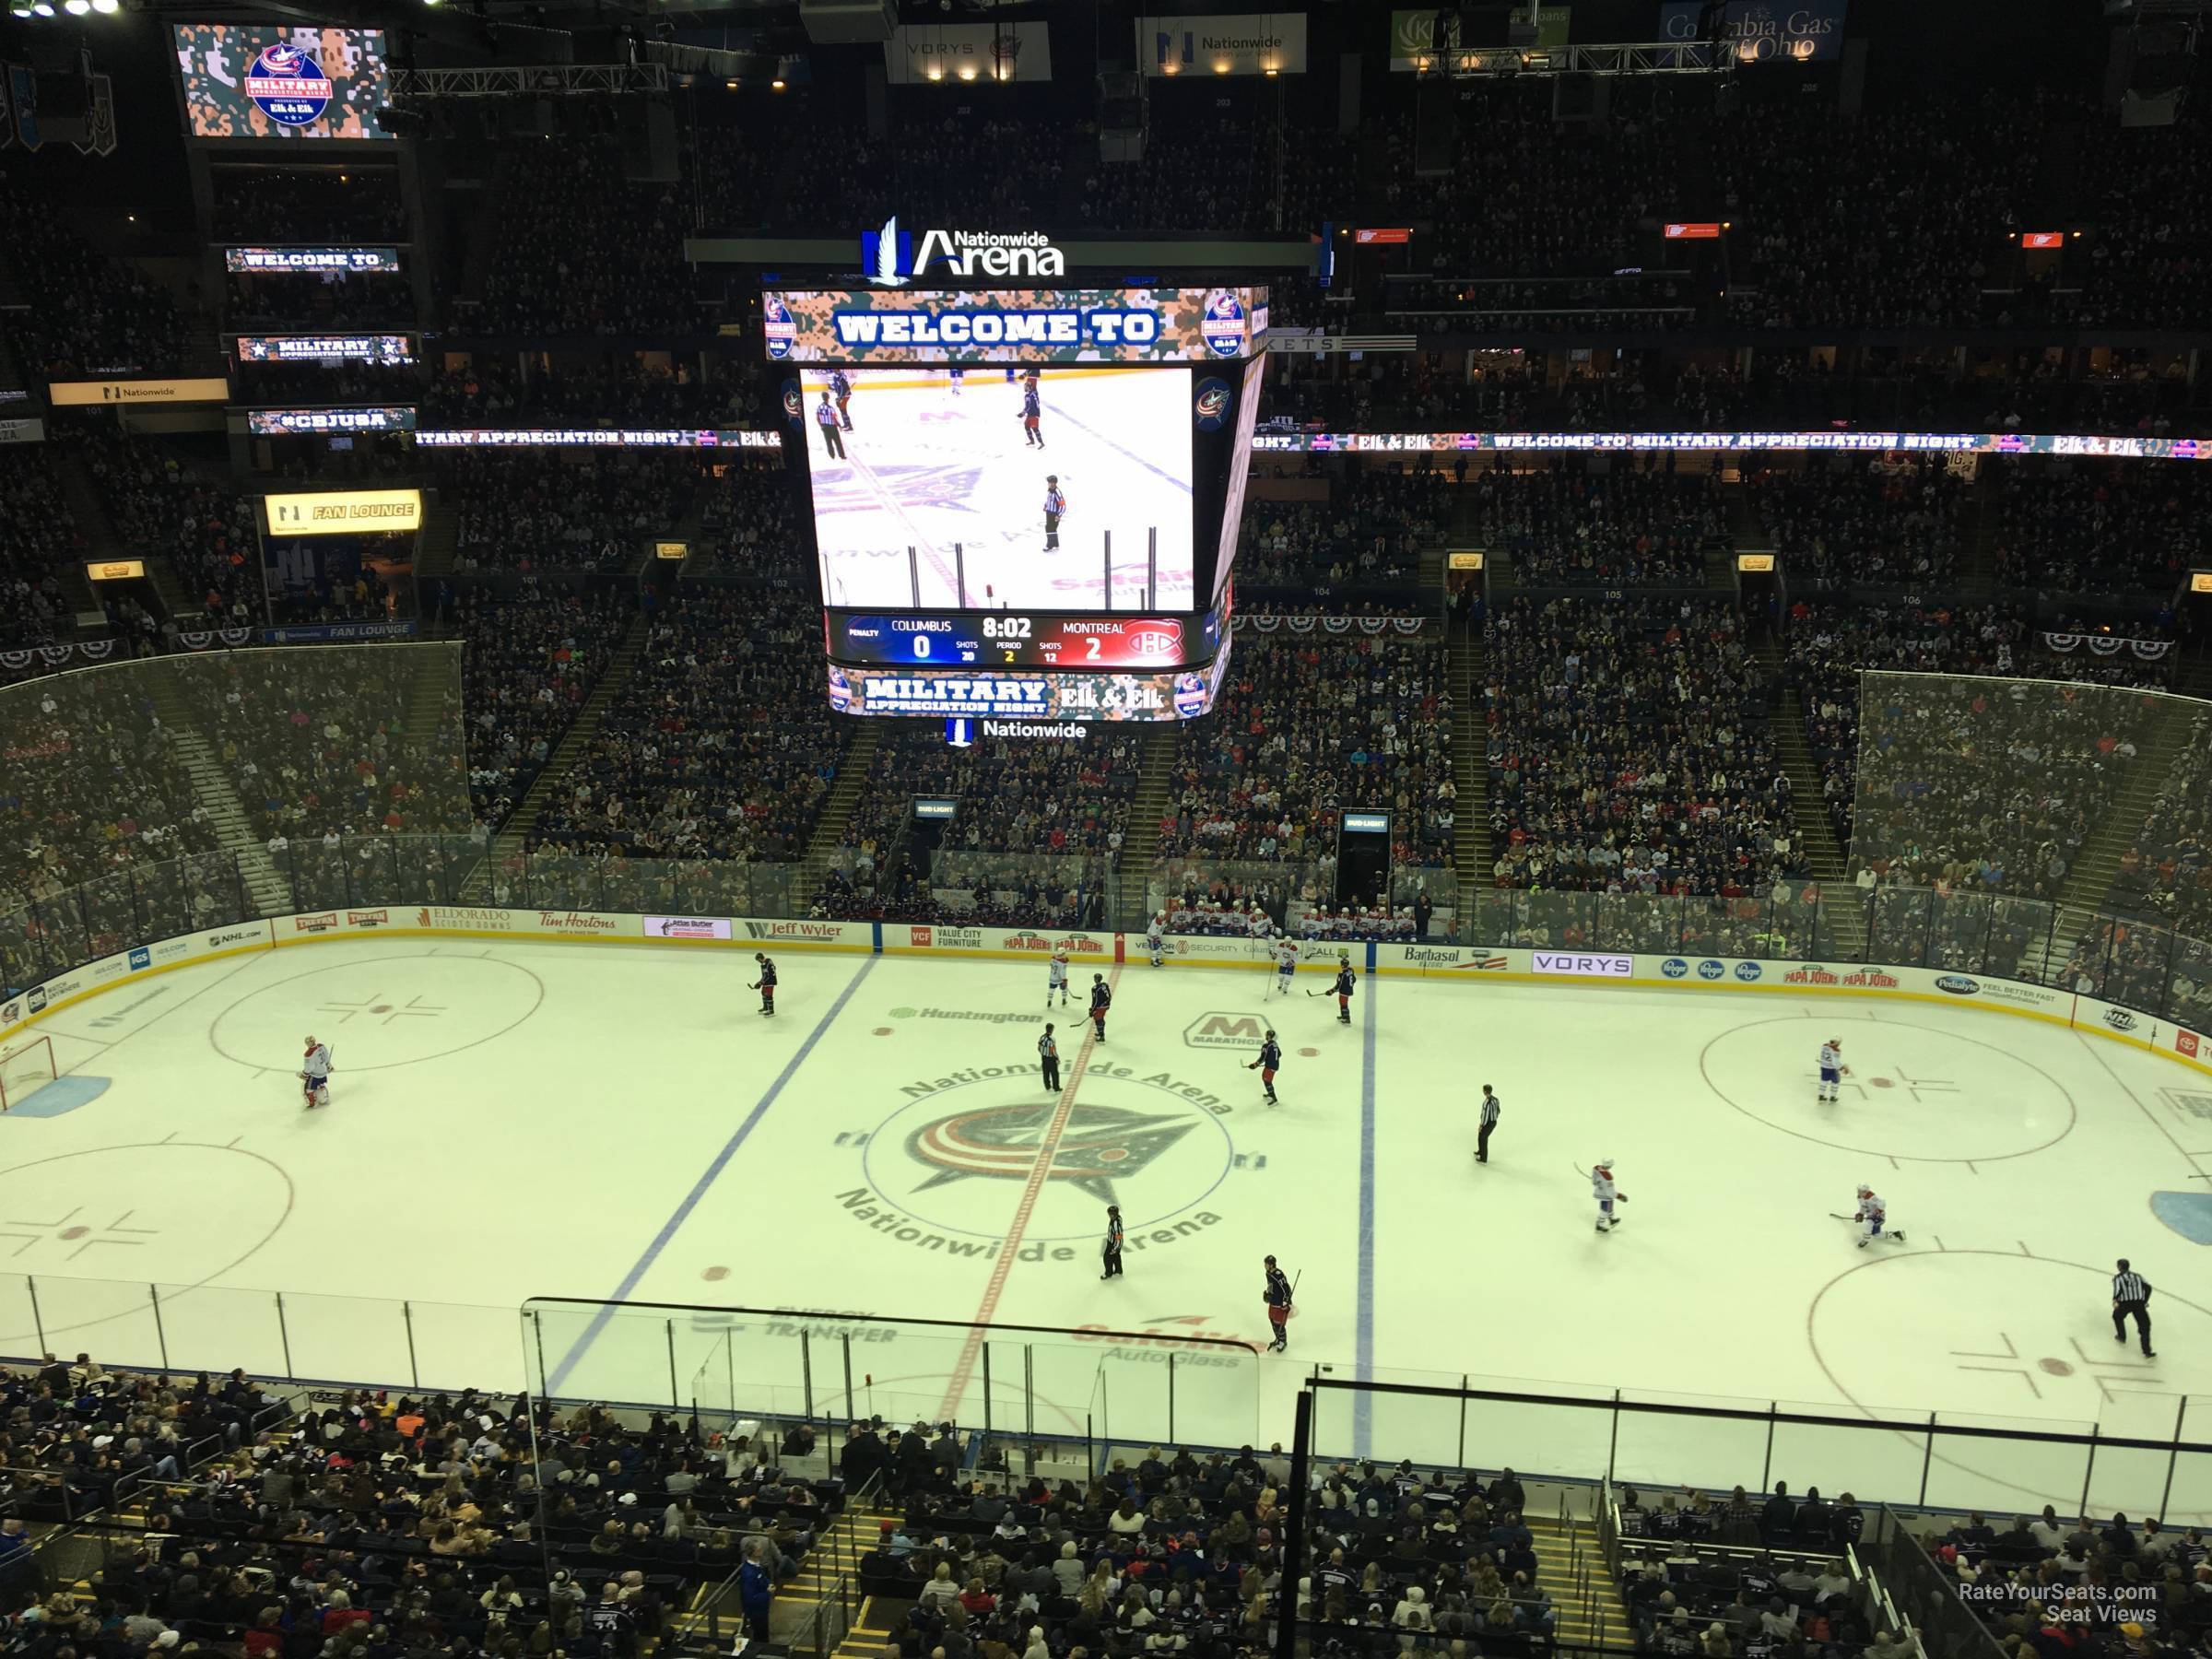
column 1024, row 502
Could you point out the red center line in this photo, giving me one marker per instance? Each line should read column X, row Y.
column 1039, row 1173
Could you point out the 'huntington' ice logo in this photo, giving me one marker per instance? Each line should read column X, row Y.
column 892, row 258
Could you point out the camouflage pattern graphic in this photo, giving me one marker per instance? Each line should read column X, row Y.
column 214, row 59
column 1164, row 325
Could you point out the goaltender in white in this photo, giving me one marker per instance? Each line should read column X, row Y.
column 314, row 1074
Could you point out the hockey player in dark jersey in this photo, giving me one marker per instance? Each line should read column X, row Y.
column 1271, row 1056
column 1101, row 999
column 766, row 983
column 1344, row 992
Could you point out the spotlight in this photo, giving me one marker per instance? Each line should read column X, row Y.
column 77, row 9
column 776, row 83
column 44, row 8
column 967, row 72
column 19, row 9
column 731, row 84
column 935, row 72
column 106, row 7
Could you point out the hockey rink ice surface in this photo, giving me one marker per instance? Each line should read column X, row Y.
column 519, row 1120
column 926, row 469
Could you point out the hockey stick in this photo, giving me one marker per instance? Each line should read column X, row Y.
column 1834, row 1216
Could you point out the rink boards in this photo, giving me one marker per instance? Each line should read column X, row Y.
column 1475, row 964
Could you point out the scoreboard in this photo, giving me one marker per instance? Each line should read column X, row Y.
column 1023, row 640
column 1024, row 501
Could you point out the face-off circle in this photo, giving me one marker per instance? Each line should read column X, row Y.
column 379, row 1011
column 1913, row 1093
column 1999, row 1338
column 94, row 1229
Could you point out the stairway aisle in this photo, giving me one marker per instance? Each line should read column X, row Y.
column 1571, row 1567
column 515, row 834
column 1140, row 835
column 1470, row 772
column 2088, row 883
column 212, row 787
column 1827, row 860
column 853, row 769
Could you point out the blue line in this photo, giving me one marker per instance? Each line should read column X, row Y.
column 699, row 1188
column 1364, row 1347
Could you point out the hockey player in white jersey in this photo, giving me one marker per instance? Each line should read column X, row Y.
column 1833, row 1069
column 1056, row 979
column 1286, row 964
column 1873, row 1218
column 1156, row 938
column 1607, row 1193
column 314, row 1074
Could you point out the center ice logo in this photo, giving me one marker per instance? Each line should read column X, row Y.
column 288, row 86
column 1101, row 1144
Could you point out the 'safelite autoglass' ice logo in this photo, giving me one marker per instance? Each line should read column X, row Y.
column 288, row 86
column 892, row 258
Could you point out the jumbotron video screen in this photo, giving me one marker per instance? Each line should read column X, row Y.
column 1040, row 486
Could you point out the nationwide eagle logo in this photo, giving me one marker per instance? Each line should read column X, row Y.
column 887, row 254
column 1099, row 1145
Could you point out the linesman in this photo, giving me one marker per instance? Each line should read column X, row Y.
column 1109, row 1249
column 1048, row 1060
column 2131, row 1300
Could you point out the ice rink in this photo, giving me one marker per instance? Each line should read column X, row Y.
column 520, row 1119
column 930, row 468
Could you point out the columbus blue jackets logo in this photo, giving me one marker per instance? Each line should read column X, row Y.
column 887, row 256
column 775, row 319
column 1213, row 403
column 288, row 86
column 795, row 405
column 1190, row 697
column 1099, row 1145
column 1223, row 324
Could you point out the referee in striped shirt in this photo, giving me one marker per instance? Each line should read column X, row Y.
column 1489, row 1122
column 2130, row 1295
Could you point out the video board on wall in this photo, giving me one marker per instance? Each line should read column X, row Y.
column 253, row 81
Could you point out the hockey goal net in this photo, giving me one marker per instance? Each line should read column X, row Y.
column 26, row 1068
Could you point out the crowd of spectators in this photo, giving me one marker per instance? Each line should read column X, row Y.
column 1303, row 731
column 1313, row 554
column 934, row 167
column 1989, row 785
column 1573, row 524
column 1199, row 173
column 2165, row 872
column 529, row 661
column 722, row 745
column 1036, row 830
column 1526, row 196
column 204, row 529
column 485, row 391
column 345, row 204
column 37, row 534
column 317, row 300
column 2033, row 1584
column 754, row 524
column 84, row 314
column 1893, row 519
column 307, row 385
column 384, row 1524
column 565, row 509
column 582, row 249
column 2098, row 526
column 1628, row 750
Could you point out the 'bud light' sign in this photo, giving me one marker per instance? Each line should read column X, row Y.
column 288, row 85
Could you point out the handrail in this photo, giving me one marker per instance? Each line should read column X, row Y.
column 1804, row 1419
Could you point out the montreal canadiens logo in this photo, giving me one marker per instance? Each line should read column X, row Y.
column 775, row 317
column 288, row 86
column 1223, row 324
column 1155, row 639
